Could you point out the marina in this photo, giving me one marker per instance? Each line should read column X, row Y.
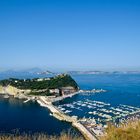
column 95, row 114
column 90, row 117
column 98, row 113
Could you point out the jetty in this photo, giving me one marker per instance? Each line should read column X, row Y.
column 63, row 117
column 27, row 100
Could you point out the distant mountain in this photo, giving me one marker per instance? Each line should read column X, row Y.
column 86, row 72
column 8, row 72
column 32, row 70
column 46, row 73
column 38, row 71
column 103, row 72
column 26, row 72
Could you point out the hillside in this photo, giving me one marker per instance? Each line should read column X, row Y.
column 38, row 136
column 39, row 85
column 129, row 131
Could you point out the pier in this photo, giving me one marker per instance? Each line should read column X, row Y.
column 27, row 100
column 63, row 117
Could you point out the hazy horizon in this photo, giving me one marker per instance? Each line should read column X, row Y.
column 69, row 69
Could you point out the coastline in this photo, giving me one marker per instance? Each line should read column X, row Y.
column 63, row 117
column 57, row 113
column 47, row 102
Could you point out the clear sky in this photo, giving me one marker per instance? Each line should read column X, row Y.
column 70, row 34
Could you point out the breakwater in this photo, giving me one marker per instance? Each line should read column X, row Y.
column 63, row 117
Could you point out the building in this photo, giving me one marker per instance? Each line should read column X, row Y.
column 56, row 91
column 40, row 79
column 67, row 90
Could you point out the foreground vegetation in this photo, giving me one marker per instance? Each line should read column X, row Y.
column 130, row 131
column 63, row 136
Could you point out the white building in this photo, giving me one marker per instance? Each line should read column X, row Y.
column 54, row 91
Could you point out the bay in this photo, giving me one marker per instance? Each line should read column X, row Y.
column 121, row 89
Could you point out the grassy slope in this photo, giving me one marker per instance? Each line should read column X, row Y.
column 130, row 131
column 63, row 136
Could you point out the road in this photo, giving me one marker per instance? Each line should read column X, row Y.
column 63, row 117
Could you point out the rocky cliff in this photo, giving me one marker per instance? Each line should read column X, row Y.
column 12, row 90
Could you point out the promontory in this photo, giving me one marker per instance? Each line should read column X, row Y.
column 58, row 85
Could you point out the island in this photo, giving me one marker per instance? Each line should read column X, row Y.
column 56, row 86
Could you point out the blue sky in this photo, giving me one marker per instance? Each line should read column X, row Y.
column 70, row 34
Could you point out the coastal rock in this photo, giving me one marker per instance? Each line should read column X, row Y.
column 12, row 90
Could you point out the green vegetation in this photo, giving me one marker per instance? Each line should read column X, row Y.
column 45, row 93
column 130, row 131
column 36, row 84
column 63, row 136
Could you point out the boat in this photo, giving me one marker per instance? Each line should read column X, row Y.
column 6, row 96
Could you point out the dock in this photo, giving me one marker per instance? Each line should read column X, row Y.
column 27, row 100
column 63, row 117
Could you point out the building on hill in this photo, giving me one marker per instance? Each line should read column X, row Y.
column 67, row 90
column 40, row 79
column 56, row 91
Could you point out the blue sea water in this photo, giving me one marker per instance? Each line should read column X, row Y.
column 122, row 88
column 30, row 117
column 16, row 116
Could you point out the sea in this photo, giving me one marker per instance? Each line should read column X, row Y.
column 122, row 97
